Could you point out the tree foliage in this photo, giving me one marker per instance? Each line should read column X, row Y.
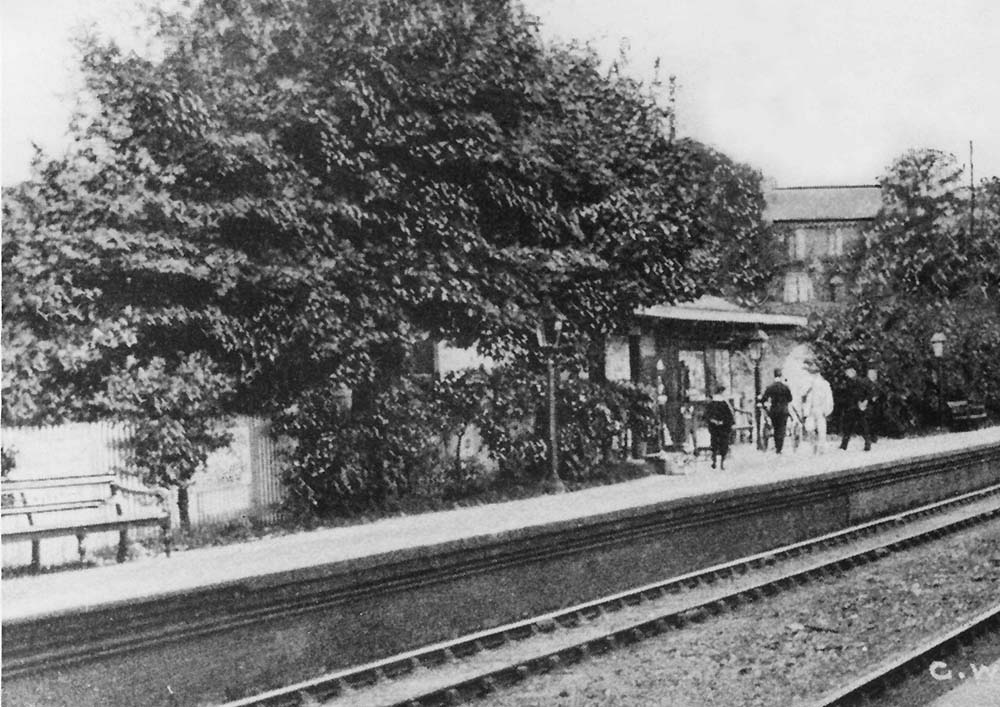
column 294, row 192
column 893, row 336
column 927, row 267
column 925, row 242
column 174, row 417
column 741, row 256
column 299, row 189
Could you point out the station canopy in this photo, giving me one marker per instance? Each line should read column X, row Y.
column 715, row 310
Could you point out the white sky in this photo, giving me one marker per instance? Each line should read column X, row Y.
column 809, row 91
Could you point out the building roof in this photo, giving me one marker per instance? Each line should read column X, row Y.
column 846, row 203
column 719, row 311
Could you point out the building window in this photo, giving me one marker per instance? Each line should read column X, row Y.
column 798, row 287
column 692, row 375
column 836, row 287
column 720, row 371
column 800, row 244
column 797, row 244
column 836, row 242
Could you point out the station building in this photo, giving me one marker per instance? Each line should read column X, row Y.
column 685, row 351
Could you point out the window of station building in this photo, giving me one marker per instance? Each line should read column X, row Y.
column 702, row 371
column 692, row 375
column 798, row 287
column 719, row 370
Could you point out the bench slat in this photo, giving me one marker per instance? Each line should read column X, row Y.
column 965, row 414
column 58, row 482
column 53, row 507
column 41, row 532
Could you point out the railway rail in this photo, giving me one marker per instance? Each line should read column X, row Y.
column 871, row 685
column 482, row 662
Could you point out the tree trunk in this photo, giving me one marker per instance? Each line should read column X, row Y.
column 183, row 508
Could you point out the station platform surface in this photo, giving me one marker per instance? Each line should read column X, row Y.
column 29, row 597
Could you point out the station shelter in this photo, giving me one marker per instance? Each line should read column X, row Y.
column 686, row 351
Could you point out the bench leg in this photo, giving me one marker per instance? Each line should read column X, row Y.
column 36, row 555
column 81, row 546
column 122, row 545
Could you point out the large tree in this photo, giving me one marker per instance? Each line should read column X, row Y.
column 299, row 189
column 926, row 242
column 929, row 265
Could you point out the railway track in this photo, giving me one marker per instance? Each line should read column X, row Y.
column 894, row 672
column 470, row 666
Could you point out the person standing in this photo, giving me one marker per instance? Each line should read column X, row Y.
column 876, row 399
column 856, row 409
column 817, row 406
column 720, row 426
column 778, row 396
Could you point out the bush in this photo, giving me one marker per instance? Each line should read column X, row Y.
column 407, row 444
column 593, row 419
column 894, row 337
column 347, row 464
column 8, row 460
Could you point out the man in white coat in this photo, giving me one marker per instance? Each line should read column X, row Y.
column 817, row 405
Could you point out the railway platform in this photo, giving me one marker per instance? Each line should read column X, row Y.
column 217, row 623
column 40, row 595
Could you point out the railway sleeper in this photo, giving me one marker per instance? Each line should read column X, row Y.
column 487, row 685
column 546, row 625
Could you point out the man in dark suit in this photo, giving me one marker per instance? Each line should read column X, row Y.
column 779, row 397
column 856, row 398
column 876, row 401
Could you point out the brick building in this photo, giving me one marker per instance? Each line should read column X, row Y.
column 816, row 227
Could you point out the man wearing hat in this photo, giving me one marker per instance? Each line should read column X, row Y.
column 856, row 397
column 779, row 396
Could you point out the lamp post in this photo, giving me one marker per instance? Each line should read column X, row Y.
column 661, row 403
column 756, row 351
column 937, row 346
column 549, row 331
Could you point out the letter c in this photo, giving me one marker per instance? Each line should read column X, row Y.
column 939, row 670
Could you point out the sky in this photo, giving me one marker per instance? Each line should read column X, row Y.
column 809, row 92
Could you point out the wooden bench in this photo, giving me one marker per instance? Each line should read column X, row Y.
column 743, row 429
column 965, row 415
column 35, row 509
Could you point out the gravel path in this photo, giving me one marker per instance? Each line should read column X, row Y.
column 793, row 647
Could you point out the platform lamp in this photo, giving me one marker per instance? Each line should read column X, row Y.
column 661, row 404
column 549, row 330
column 756, row 351
column 937, row 346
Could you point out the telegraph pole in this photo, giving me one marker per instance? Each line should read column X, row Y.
column 972, row 199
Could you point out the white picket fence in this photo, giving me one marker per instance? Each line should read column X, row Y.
column 242, row 480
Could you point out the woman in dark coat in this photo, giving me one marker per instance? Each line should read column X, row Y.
column 720, row 425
